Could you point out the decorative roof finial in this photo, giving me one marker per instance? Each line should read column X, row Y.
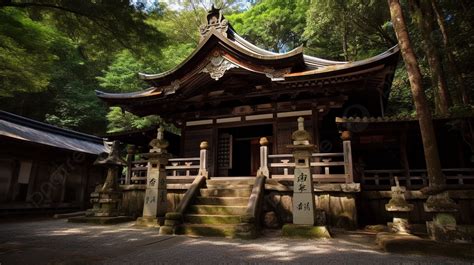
column 216, row 21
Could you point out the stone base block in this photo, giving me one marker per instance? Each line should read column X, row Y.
column 245, row 231
column 320, row 217
column 166, row 230
column 100, row 220
column 305, row 231
column 399, row 225
column 410, row 244
column 150, row 221
column 446, row 233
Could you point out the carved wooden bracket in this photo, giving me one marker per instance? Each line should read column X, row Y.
column 217, row 66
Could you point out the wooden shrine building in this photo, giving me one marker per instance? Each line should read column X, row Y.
column 231, row 93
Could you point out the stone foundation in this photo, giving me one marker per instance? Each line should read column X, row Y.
column 339, row 207
column 133, row 196
column 371, row 207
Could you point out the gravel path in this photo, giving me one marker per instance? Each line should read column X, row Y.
column 59, row 242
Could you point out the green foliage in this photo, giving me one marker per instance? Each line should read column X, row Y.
column 125, row 121
column 121, row 75
column 348, row 30
column 276, row 25
column 25, row 53
column 55, row 53
column 54, row 50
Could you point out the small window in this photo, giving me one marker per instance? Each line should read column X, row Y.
column 25, row 172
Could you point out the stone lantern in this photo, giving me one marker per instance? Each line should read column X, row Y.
column 106, row 199
column 400, row 208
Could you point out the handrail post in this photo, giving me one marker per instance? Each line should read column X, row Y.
column 203, row 160
column 346, row 145
column 263, row 170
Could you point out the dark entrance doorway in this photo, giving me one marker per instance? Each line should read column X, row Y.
column 238, row 149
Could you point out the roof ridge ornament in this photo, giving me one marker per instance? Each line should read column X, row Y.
column 216, row 21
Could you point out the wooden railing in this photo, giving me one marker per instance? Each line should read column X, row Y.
column 326, row 167
column 456, row 178
column 177, row 168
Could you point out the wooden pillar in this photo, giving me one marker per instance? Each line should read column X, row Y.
column 85, row 186
column 182, row 140
column 315, row 120
column 275, row 130
column 213, row 149
column 348, row 166
column 404, row 157
column 131, row 151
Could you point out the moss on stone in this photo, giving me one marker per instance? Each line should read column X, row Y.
column 445, row 219
column 409, row 244
column 247, row 219
column 213, row 219
column 172, row 222
column 174, row 216
column 305, row 231
column 166, row 230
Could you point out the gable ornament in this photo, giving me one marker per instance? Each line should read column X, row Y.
column 217, row 66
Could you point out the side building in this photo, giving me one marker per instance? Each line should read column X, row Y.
column 44, row 168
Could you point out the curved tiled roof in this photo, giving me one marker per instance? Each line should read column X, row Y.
column 290, row 66
column 24, row 129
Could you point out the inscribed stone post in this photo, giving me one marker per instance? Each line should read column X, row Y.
column 155, row 201
column 303, row 193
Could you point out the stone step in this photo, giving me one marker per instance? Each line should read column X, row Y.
column 184, row 180
column 177, row 186
column 217, row 209
column 217, row 230
column 212, row 219
column 229, row 186
column 231, row 201
column 230, row 181
column 226, row 192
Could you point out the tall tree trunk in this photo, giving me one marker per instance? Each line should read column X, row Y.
column 433, row 164
column 422, row 15
column 462, row 95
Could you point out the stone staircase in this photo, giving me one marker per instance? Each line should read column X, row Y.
column 218, row 209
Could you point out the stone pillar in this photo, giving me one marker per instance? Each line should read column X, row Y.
column 400, row 208
column 303, row 193
column 263, row 170
column 155, row 201
column 203, row 160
